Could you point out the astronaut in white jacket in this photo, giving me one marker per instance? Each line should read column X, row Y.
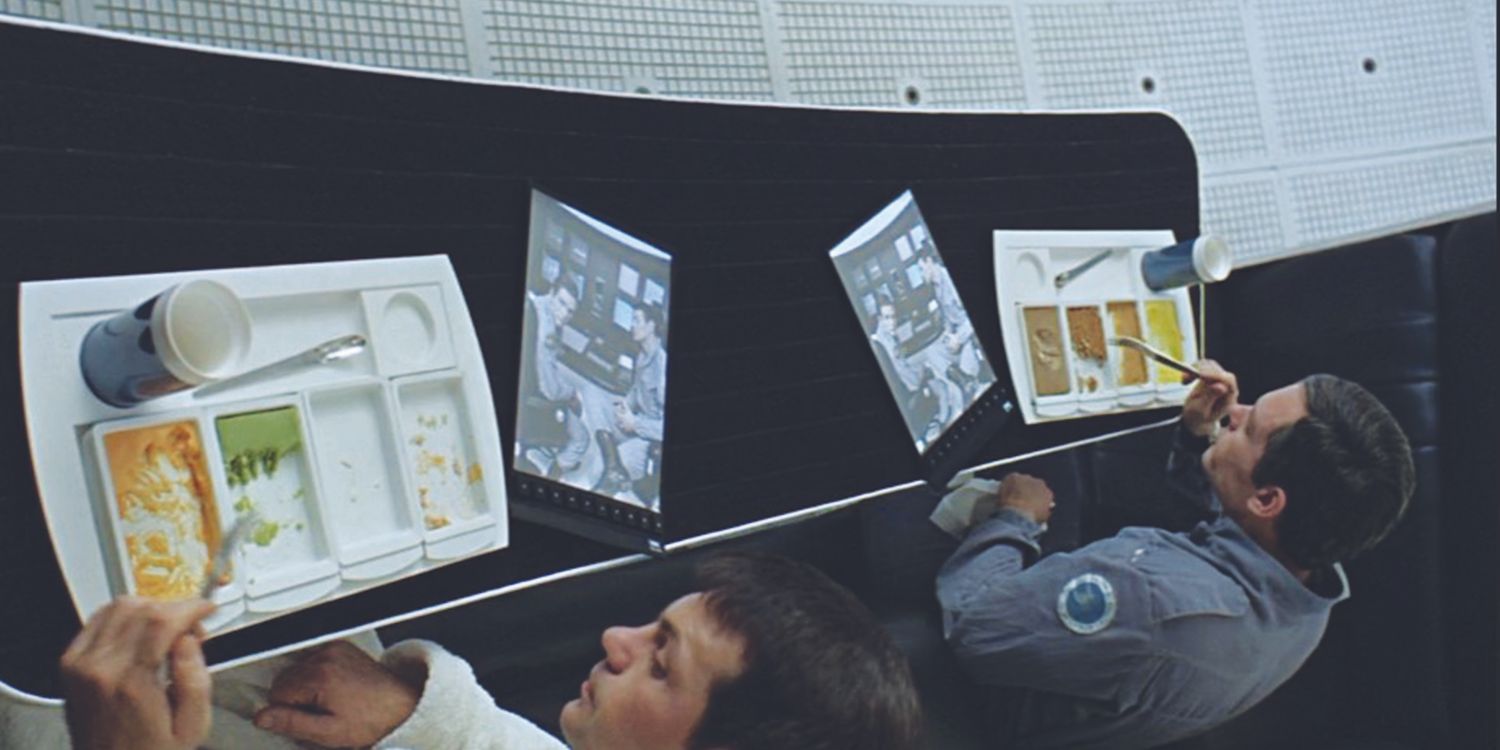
column 762, row 657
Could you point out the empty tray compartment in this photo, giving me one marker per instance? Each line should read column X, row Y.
column 364, row 499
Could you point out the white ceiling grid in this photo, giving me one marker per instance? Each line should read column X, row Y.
column 1317, row 122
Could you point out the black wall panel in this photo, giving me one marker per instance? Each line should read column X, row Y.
column 124, row 157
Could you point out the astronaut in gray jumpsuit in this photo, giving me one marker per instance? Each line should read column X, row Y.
column 554, row 381
column 916, row 371
column 1150, row 636
column 958, row 332
column 638, row 420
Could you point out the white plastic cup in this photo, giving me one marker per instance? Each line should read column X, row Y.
column 193, row 333
column 1201, row 260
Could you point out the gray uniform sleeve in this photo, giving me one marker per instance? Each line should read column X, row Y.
column 1001, row 620
column 1185, row 475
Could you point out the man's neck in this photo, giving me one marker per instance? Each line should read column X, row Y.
column 1267, row 540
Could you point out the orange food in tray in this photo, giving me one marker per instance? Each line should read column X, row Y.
column 165, row 508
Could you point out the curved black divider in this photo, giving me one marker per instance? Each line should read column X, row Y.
column 122, row 157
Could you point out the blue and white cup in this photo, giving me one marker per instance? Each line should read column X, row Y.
column 1201, row 260
column 191, row 334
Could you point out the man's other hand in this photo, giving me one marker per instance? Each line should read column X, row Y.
column 337, row 696
column 1210, row 399
column 115, row 698
column 1028, row 496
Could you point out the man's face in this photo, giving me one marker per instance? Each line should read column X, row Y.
column 563, row 305
column 929, row 269
column 652, row 687
column 887, row 324
column 640, row 326
column 1233, row 457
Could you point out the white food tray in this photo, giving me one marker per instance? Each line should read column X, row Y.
column 1026, row 264
column 352, row 506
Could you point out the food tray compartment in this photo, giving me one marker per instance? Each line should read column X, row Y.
column 1129, row 368
column 442, row 464
column 1089, row 353
column 1048, row 359
column 1165, row 330
column 408, row 329
column 157, row 496
column 374, row 524
column 264, row 466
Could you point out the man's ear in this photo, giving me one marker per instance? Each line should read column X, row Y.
column 1268, row 502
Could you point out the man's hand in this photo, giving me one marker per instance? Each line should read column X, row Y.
column 1210, row 399
column 115, row 698
column 1027, row 495
column 624, row 417
column 337, row 696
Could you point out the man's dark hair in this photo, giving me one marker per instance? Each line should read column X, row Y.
column 571, row 283
column 820, row 672
column 1347, row 472
column 654, row 315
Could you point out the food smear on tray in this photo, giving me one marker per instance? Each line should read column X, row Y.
column 264, row 468
column 1162, row 332
column 165, row 501
column 1086, row 329
column 1126, row 321
column 449, row 485
column 1044, row 344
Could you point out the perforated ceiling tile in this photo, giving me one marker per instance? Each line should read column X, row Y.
column 1349, row 75
column 1190, row 58
column 48, row 9
column 1483, row 24
column 889, row 54
column 424, row 35
column 1329, row 206
column 1245, row 212
column 700, row 48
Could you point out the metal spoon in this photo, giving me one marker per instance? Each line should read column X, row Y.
column 1066, row 277
column 232, row 541
column 343, row 347
column 1156, row 354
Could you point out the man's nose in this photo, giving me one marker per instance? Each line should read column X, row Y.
column 621, row 644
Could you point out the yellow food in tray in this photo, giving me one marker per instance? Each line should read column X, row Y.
column 1162, row 332
column 165, row 508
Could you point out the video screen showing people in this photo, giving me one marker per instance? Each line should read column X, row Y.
column 593, row 385
column 917, row 324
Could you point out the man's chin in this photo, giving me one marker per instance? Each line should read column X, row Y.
column 572, row 715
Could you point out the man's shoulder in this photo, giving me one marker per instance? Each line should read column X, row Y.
column 1156, row 573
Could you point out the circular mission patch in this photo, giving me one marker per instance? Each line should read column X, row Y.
column 1086, row 604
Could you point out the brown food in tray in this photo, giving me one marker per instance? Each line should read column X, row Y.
column 164, row 501
column 1087, row 330
column 1126, row 321
column 1044, row 344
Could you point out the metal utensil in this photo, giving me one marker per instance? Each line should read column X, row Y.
column 232, row 541
column 1153, row 353
column 1064, row 278
column 342, row 347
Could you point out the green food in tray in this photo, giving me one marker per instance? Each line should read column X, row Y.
column 256, row 442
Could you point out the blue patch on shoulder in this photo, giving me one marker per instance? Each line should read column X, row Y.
column 1086, row 604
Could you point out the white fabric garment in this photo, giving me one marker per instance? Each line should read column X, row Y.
column 455, row 713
